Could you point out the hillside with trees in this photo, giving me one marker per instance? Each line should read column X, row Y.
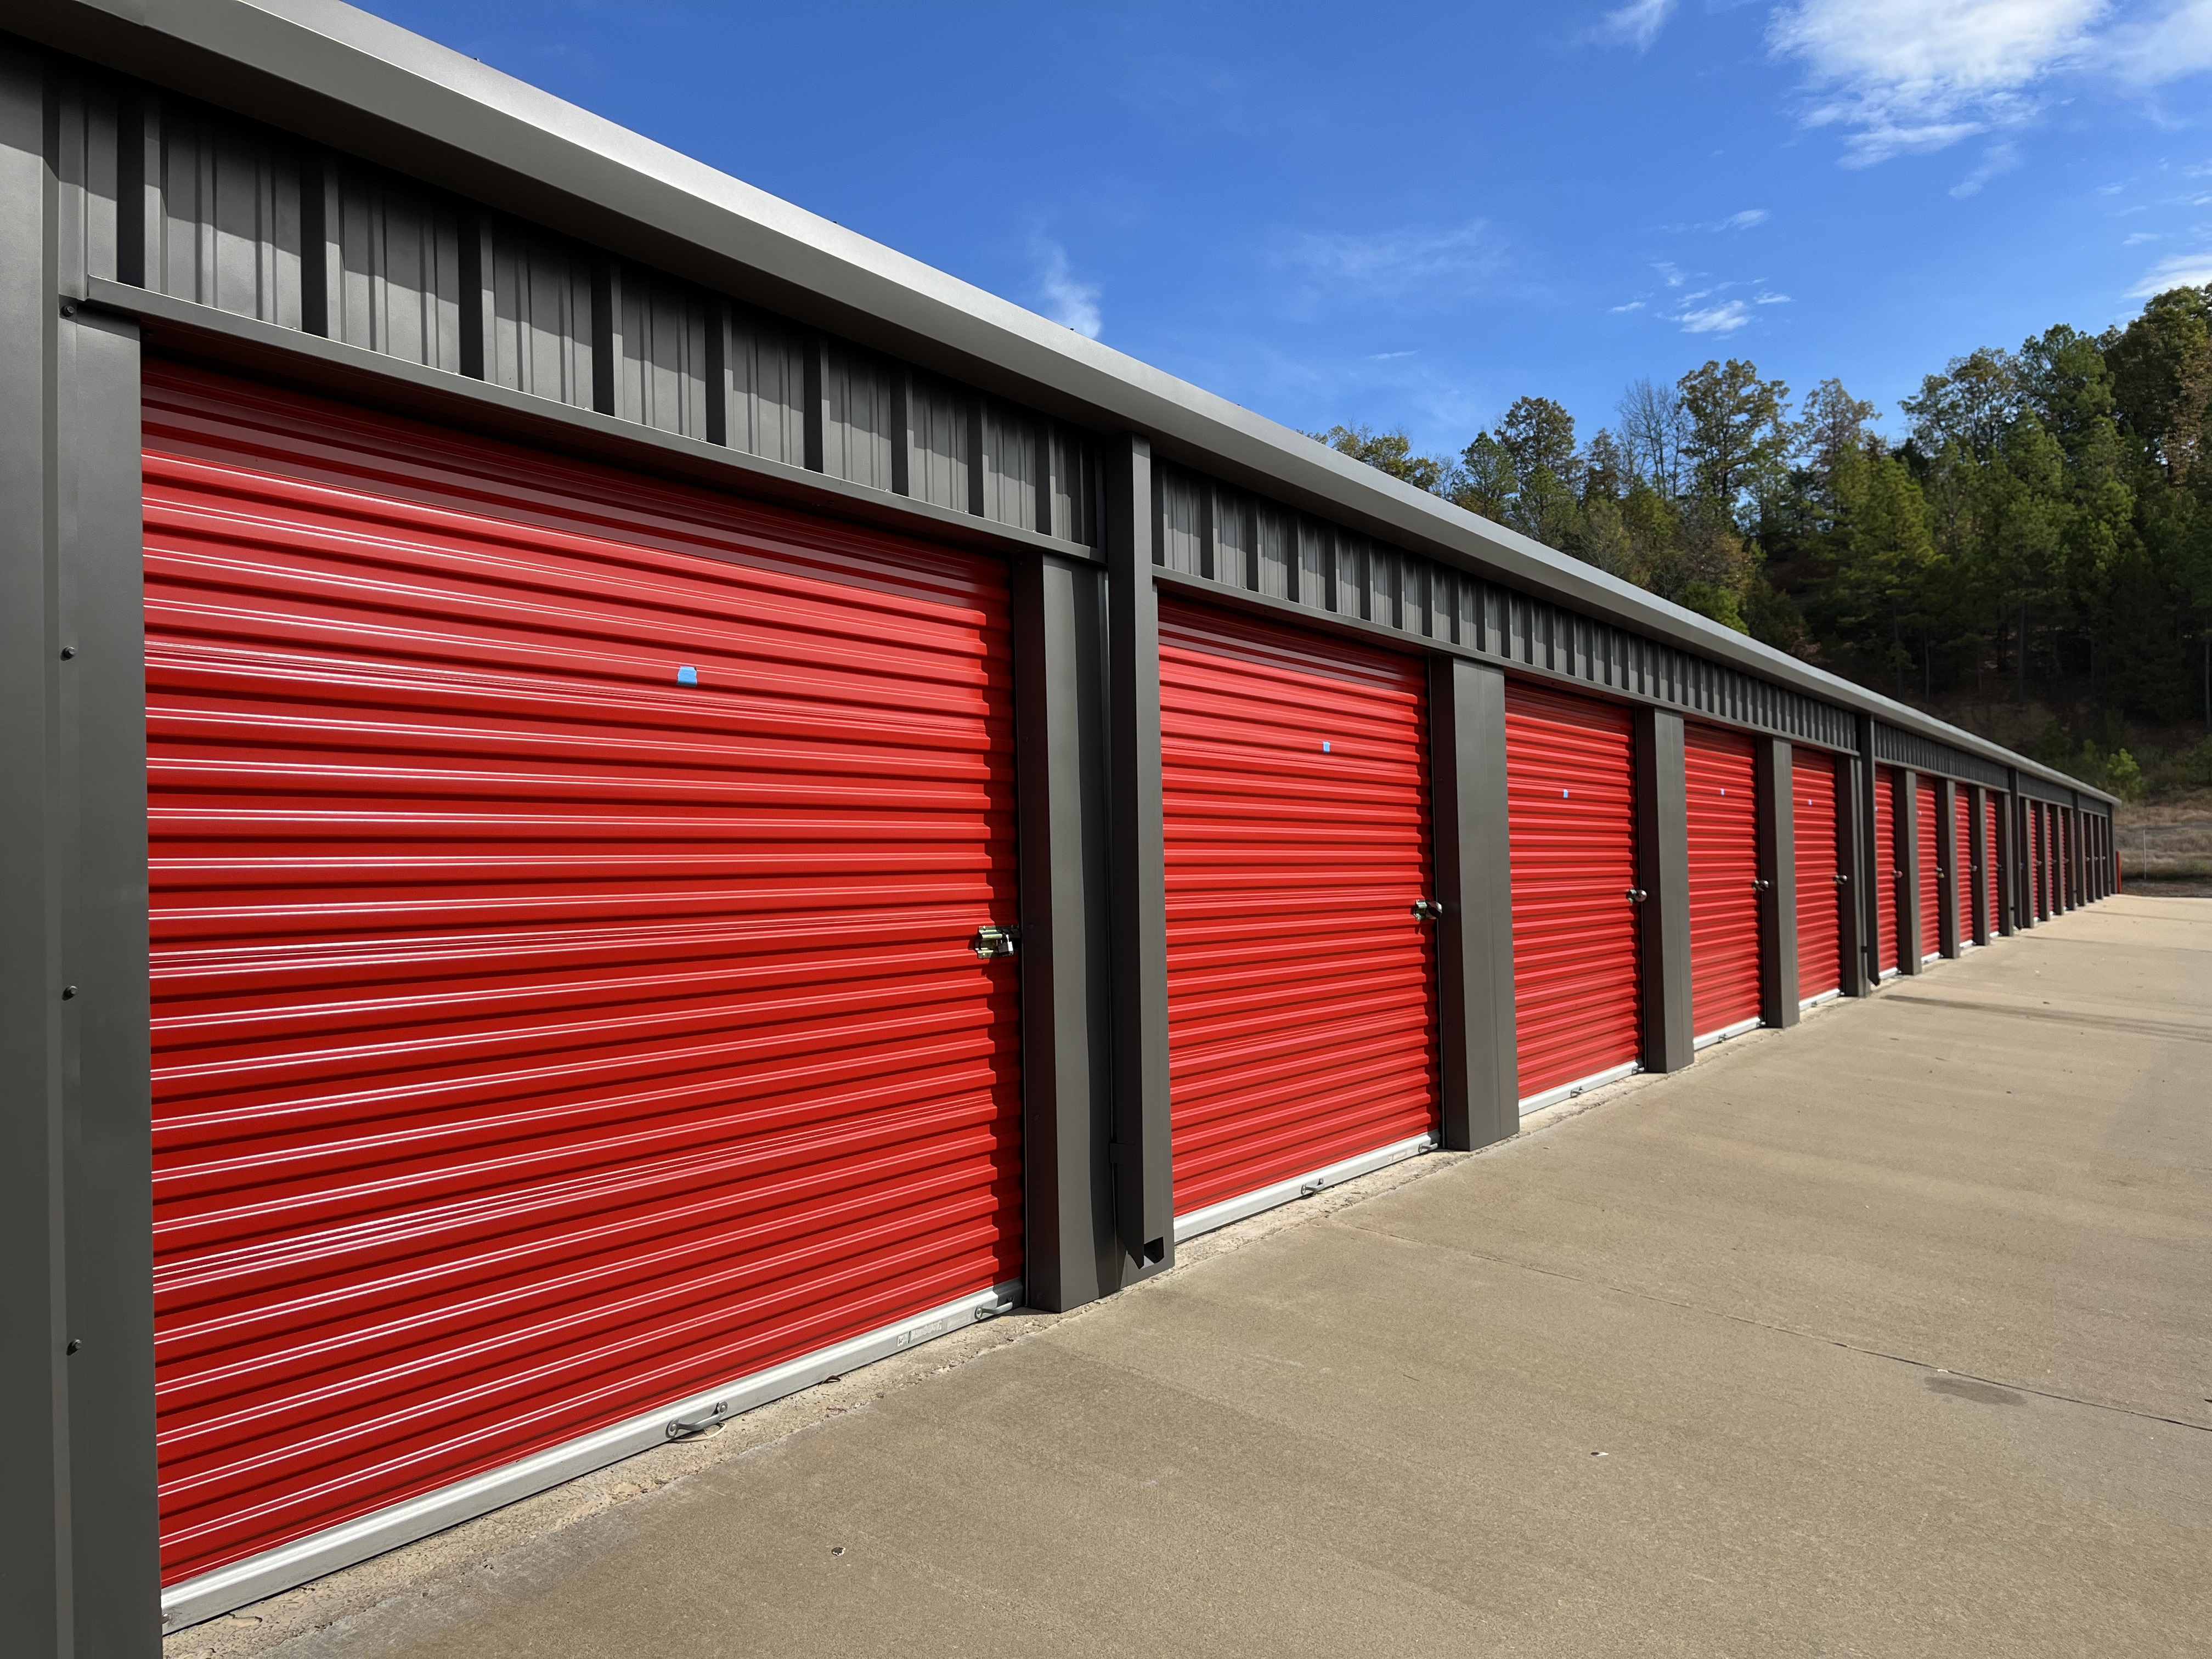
column 2033, row 561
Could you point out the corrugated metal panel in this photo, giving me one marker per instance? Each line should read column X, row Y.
column 85, row 153
column 1235, row 562
column 1570, row 801
column 1928, row 832
column 1888, row 874
column 857, row 434
column 539, row 1036
column 1301, row 987
column 226, row 223
column 1991, row 806
column 766, row 369
column 661, row 375
column 1071, row 492
column 1820, row 895
column 1926, row 755
column 1275, row 552
column 1180, row 543
column 1964, row 872
column 541, row 328
column 937, row 439
column 1721, row 789
column 399, row 288
column 1012, row 467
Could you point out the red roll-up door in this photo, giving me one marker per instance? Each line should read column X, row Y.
column 1301, row 985
column 1889, row 875
column 1819, row 895
column 1928, row 830
column 1964, row 873
column 563, row 885
column 1570, row 797
column 2039, row 871
column 1993, row 856
column 1722, row 790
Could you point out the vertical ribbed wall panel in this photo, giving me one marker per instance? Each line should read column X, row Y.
column 1820, row 895
column 540, row 341
column 857, row 435
column 1073, row 499
column 86, row 139
column 1275, row 552
column 1233, row 561
column 227, row 228
column 938, row 460
column 661, row 380
column 766, row 367
column 400, row 276
column 1180, row 543
column 1013, row 468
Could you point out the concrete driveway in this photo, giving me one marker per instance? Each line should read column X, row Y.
column 1890, row 1336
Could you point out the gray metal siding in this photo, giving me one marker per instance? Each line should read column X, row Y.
column 660, row 377
column 764, row 381
column 1222, row 534
column 1011, row 464
column 1073, row 463
column 1926, row 755
column 937, row 439
column 397, row 285
column 856, row 417
column 540, row 323
column 223, row 212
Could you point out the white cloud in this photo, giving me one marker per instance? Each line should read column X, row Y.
column 2142, row 236
column 1743, row 220
column 1387, row 357
column 1633, row 305
column 1067, row 301
column 1914, row 75
column 1769, row 299
column 1668, row 273
column 2177, row 270
column 1395, row 264
column 1996, row 160
column 1724, row 318
column 1635, row 24
column 2153, row 50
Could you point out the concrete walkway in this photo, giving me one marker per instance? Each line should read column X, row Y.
column 1889, row 1336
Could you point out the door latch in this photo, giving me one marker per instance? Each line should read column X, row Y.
column 1428, row 910
column 1842, row 880
column 1761, row 885
column 992, row 941
column 1637, row 896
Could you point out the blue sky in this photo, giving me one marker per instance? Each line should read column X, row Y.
column 1411, row 214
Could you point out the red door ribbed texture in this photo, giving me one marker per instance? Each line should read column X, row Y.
column 1928, row 831
column 1721, row 789
column 539, row 1036
column 1300, row 986
column 1963, row 877
column 1820, row 916
column 1570, row 796
column 1888, row 874
column 1990, row 863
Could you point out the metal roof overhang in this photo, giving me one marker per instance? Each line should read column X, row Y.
column 340, row 77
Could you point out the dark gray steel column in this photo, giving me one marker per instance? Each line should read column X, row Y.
column 1066, row 965
column 1777, row 900
column 1663, row 860
column 1851, row 866
column 1953, row 865
column 1144, row 1167
column 1475, row 884
column 78, row 1523
column 2074, row 816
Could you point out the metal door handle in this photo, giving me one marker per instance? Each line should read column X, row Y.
column 1842, row 880
column 1637, row 896
column 991, row 941
column 1760, row 884
column 1428, row 910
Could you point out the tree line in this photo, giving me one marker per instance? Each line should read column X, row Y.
column 2042, row 534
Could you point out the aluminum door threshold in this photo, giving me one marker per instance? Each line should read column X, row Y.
column 1305, row 1186
column 1725, row 1033
column 1582, row 1085
column 1809, row 1003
